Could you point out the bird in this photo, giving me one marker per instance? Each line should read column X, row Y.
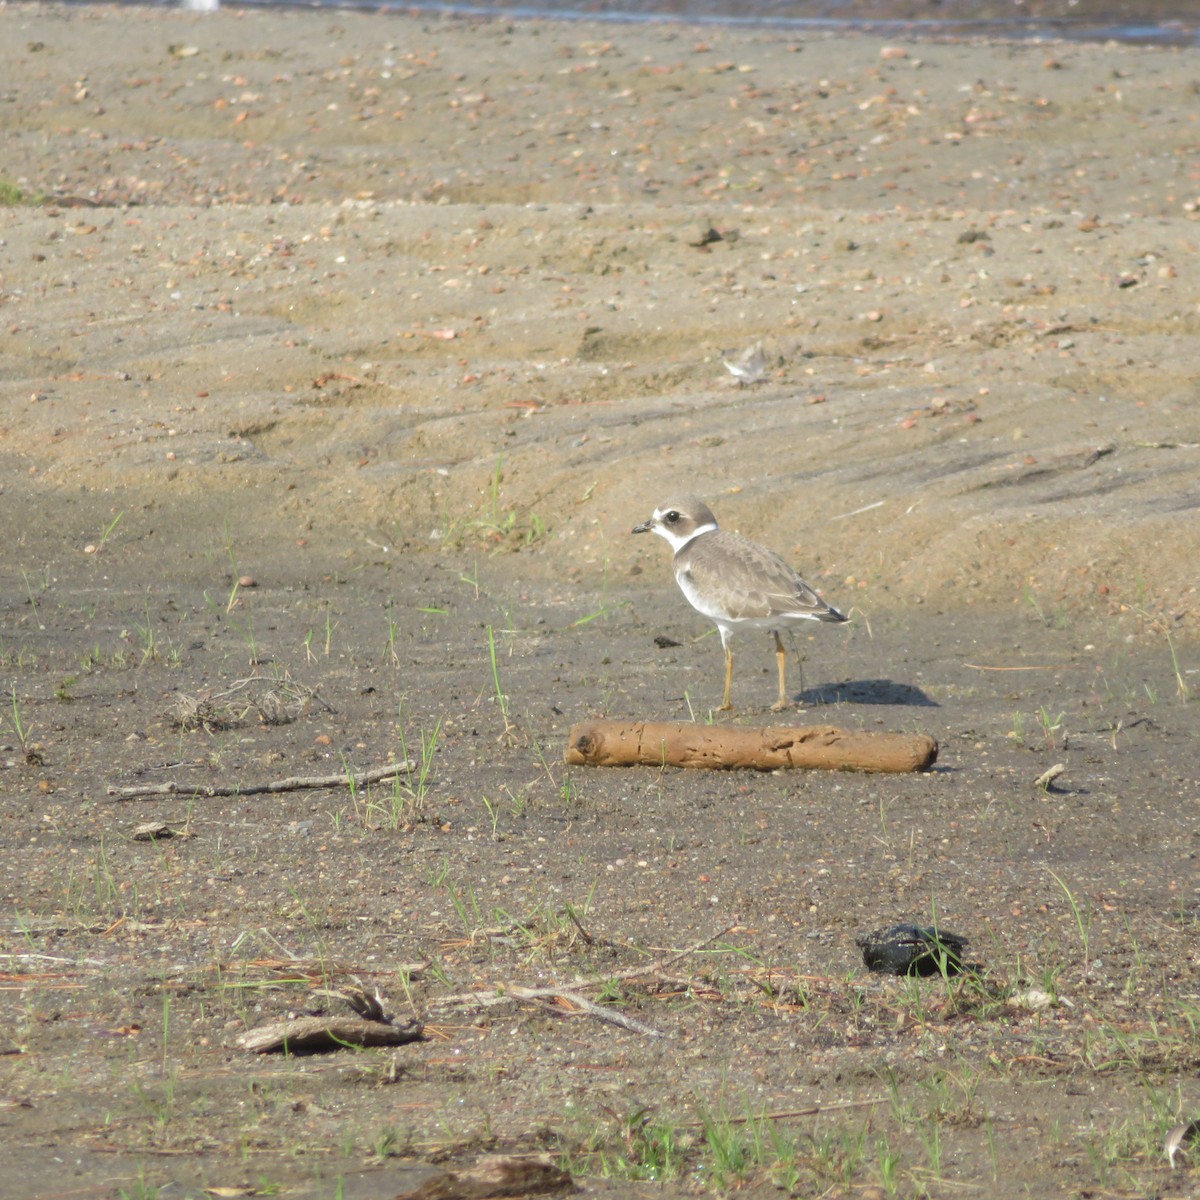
column 736, row 583
column 748, row 366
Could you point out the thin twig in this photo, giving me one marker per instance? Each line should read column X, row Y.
column 1042, row 667
column 611, row 1015
column 571, row 995
column 486, row 999
column 300, row 783
column 781, row 1114
column 659, row 968
column 287, row 684
column 855, row 513
column 56, row 958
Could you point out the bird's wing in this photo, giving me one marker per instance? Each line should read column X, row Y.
column 789, row 593
column 753, row 581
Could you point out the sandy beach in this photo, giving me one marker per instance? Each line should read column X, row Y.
column 332, row 340
column 352, row 263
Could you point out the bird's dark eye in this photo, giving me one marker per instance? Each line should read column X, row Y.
column 671, row 517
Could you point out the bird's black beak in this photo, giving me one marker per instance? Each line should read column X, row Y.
column 644, row 527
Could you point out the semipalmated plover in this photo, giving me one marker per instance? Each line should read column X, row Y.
column 736, row 583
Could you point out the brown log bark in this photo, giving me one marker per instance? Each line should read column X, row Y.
column 725, row 747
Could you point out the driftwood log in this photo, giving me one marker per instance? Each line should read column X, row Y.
column 725, row 747
column 495, row 1175
column 308, row 1034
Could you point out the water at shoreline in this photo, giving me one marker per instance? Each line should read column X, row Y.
column 1166, row 23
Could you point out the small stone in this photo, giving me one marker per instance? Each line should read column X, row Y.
column 1030, row 1000
column 151, row 831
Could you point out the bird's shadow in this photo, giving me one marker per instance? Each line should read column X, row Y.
column 867, row 691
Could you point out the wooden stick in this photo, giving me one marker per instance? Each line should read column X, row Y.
column 724, row 747
column 250, row 789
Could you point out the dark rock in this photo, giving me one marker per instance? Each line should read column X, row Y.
column 912, row 950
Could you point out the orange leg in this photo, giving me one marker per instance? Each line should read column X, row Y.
column 726, row 706
column 781, row 663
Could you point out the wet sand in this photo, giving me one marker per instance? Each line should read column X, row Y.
column 343, row 285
